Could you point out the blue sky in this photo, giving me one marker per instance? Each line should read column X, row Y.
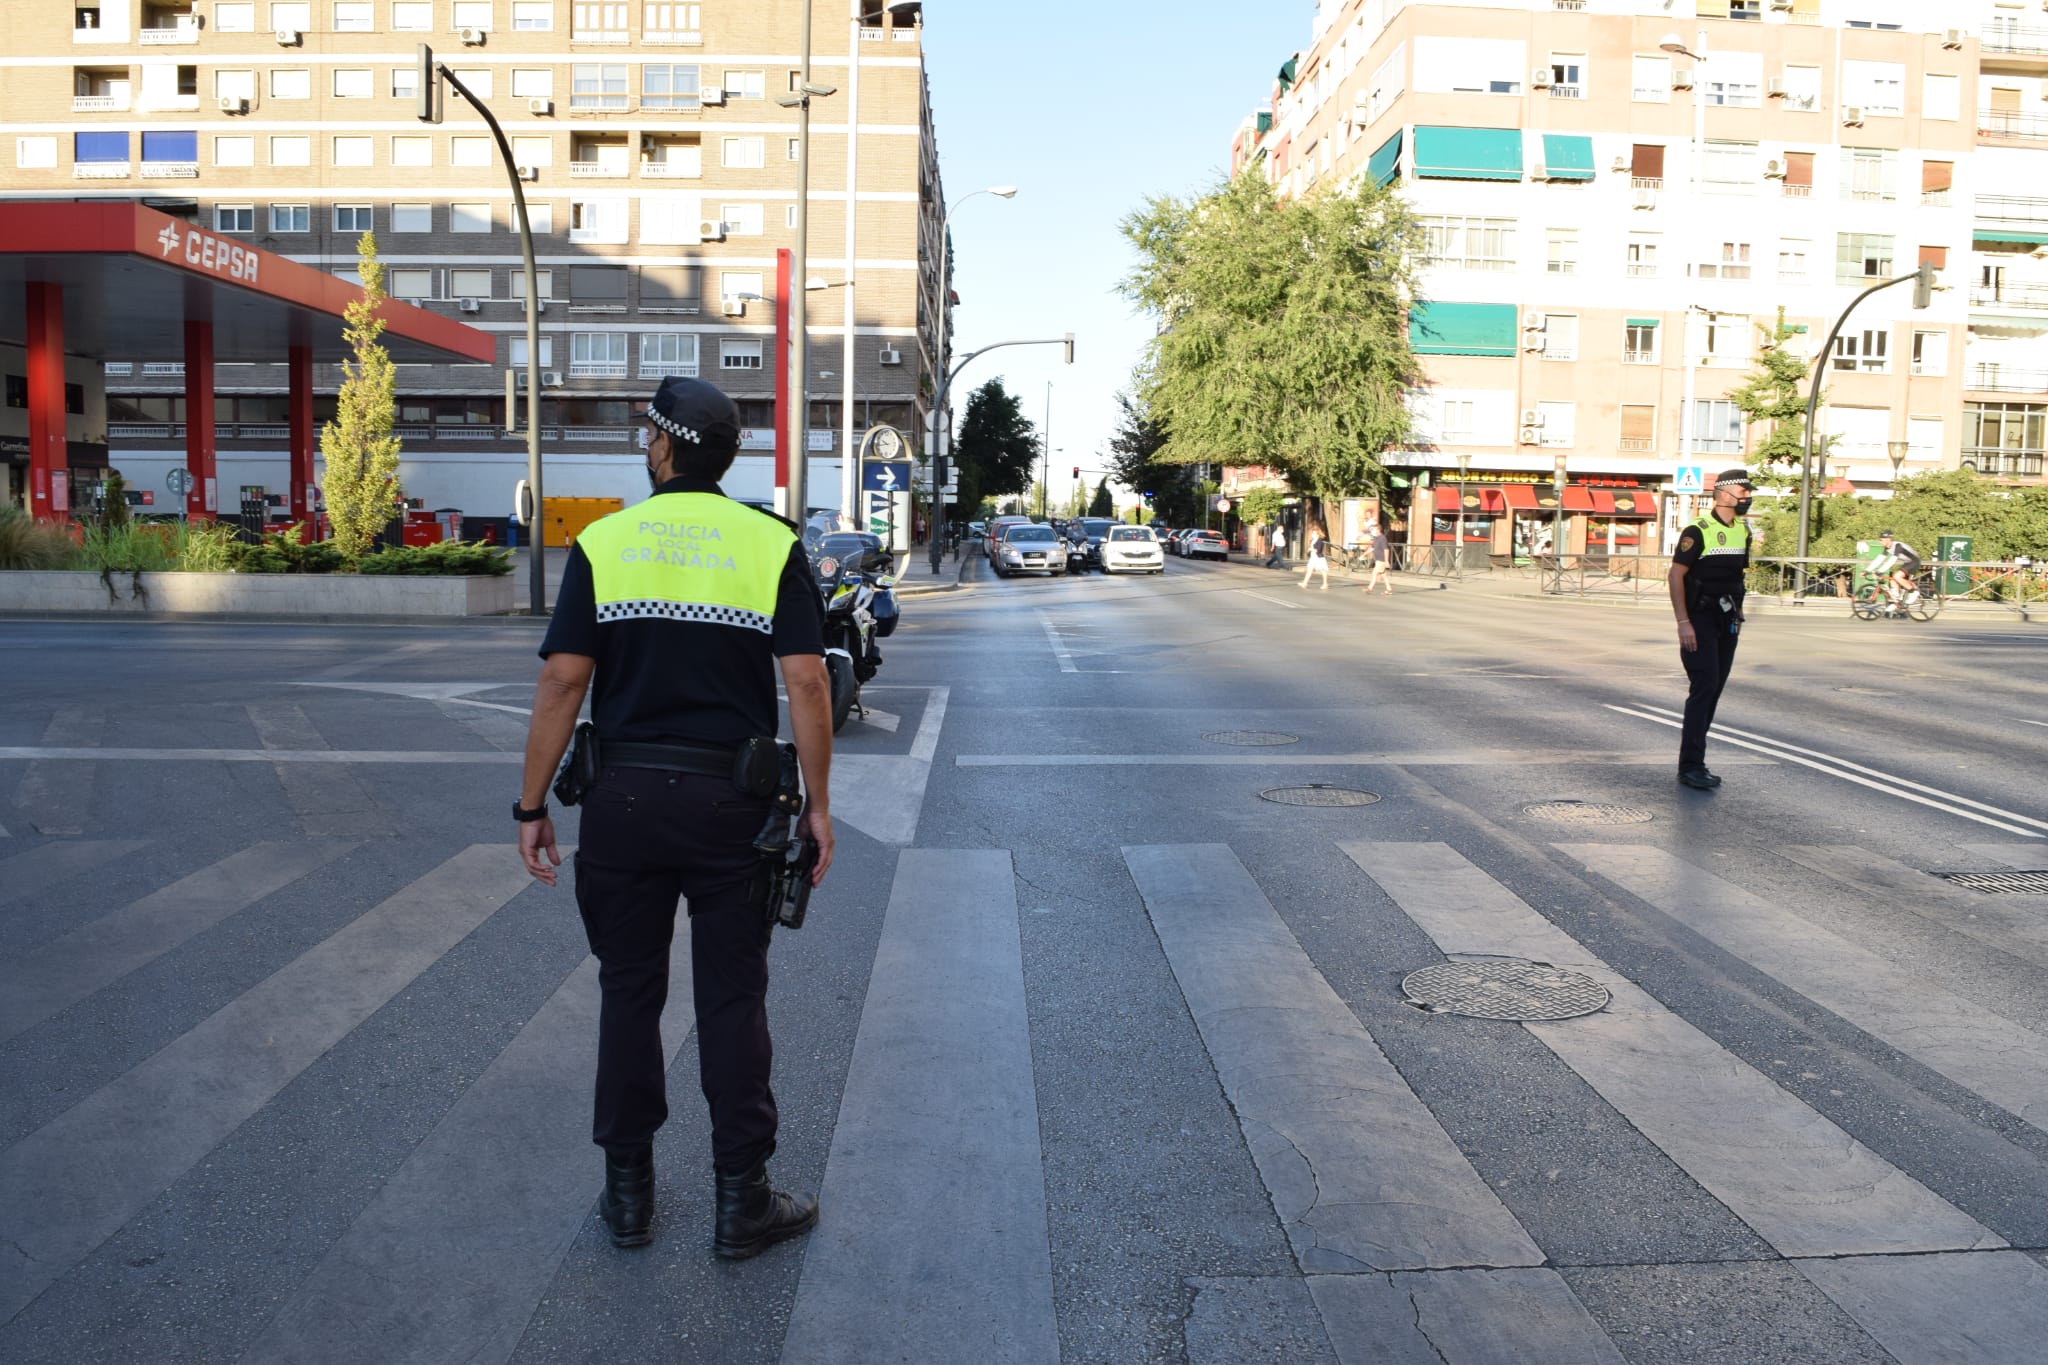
column 1088, row 108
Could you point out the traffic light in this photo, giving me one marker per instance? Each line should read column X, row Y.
column 426, row 89
column 1070, row 348
column 1077, row 471
column 1923, row 287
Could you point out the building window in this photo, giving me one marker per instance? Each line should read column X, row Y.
column 1639, row 344
column 666, row 353
column 789, row 216
column 1460, row 422
column 291, row 151
column 1716, row 428
column 1567, row 75
column 411, row 149
column 234, row 217
column 1862, row 256
column 1877, row 88
column 597, row 355
column 664, row 22
column 2005, row 439
column 598, row 21
column 792, row 151
column 533, row 82
column 533, row 151
column 597, row 220
column 1802, row 88
column 1868, row 351
column 412, row 217
column 353, row 218
column 1734, row 79
column 355, row 151
column 234, row 16
column 1792, row 261
column 1732, row 263
column 540, row 218
column 353, row 83
column 732, row 284
column 1560, row 336
column 666, row 85
column 474, row 218
column 234, row 85
column 1730, row 163
column 734, row 354
column 1463, row 243
column 234, row 151
column 597, row 86
column 297, row 15
column 517, row 355
column 533, row 16
column 1930, row 353
column 1650, row 80
column 412, row 16
column 1725, row 339
column 469, row 284
column 1870, row 173
column 478, row 79
column 745, row 85
column 38, row 153
column 410, row 283
column 1559, row 424
column 1638, row 428
column 291, row 84
column 741, row 220
column 473, row 14
column 1561, row 251
column 744, row 153
column 469, row 151
column 1642, row 254
column 354, row 16
column 544, row 284
column 405, row 82
column 291, row 218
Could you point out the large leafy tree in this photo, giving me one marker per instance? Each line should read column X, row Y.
column 1137, row 461
column 1284, row 336
column 361, row 476
column 997, row 447
column 1774, row 395
column 1102, row 504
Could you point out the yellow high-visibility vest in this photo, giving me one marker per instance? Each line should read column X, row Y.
column 688, row 557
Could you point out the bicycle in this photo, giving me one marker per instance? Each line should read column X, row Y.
column 1874, row 599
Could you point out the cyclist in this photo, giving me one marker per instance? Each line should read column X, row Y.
column 1901, row 583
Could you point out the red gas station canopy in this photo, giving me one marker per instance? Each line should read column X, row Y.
column 132, row 278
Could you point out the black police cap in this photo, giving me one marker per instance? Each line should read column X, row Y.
column 1741, row 476
column 694, row 411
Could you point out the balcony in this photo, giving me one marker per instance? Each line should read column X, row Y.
column 2028, row 298
column 1567, row 92
column 1936, row 199
column 100, row 170
column 2005, row 379
column 1646, row 182
column 596, row 170
column 2004, row 464
column 1792, row 191
column 2011, row 208
column 1642, row 270
column 2004, row 127
column 170, row 170
column 1638, row 445
column 184, row 30
column 672, row 170
column 2013, row 38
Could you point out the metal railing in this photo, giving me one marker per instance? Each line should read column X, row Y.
column 2022, row 208
column 1632, row 574
column 2000, row 379
column 2027, row 296
column 1998, row 124
column 2014, row 38
column 1993, row 586
column 2005, row 464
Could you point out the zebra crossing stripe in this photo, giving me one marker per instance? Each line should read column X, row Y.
column 71, row 1184
column 2007, row 923
column 33, row 873
column 1804, row 1185
column 1952, row 1035
column 328, row 801
column 59, row 974
column 1360, row 1172
column 931, row 1242
column 449, row 1260
column 2028, row 857
column 1958, row 1309
column 1473, row 1317
column 57, row 798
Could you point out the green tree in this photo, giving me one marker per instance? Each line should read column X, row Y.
column 1285, row 335
column 1775, row 394
column 1102, row 504
column 1259, row 505
column 1135, row 461
column 997, row 446
column 360, row 481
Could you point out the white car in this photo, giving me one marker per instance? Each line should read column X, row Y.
column 1131, row 549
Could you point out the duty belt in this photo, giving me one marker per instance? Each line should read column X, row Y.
column 702, row 759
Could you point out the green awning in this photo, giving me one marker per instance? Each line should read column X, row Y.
column 1468, row 153
column 1287, row 73
column 1567, row 156
column 1642, row 322
column 1265, row 120
column 2025, row 238
column 1462, row 328
column 1385, row 163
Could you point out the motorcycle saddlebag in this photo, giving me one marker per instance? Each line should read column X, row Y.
column 887, row 613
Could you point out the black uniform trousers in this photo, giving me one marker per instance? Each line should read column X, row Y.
column 1706, row 669
column 648, row 839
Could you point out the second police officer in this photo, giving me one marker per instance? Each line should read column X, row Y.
column 1706, row 582
column 679, row 609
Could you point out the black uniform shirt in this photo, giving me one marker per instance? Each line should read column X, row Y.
column 1710, row 570
column 661, row 680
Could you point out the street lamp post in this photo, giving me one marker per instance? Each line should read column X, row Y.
column 1897, row 450
column 797, row 421
column 1688, row 415
column 1045, row 454
column 1458, row 550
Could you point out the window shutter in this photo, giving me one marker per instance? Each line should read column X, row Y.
column 1713, row 9
column 1936, row 176
column 1638, row 421
column 1936, row 256
column 1799, row 168
column 668, row 286
column 598, row 284
column 1647, row 161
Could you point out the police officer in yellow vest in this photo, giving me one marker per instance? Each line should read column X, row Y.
column 1706, row 582
column 680, row 608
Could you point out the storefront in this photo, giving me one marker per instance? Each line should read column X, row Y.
column 1518, row 516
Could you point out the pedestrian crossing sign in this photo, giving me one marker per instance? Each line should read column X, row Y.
column 1691, row 478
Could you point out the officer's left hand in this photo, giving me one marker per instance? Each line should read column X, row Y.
column 535, row 836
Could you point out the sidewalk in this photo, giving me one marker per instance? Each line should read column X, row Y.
column 914, row 574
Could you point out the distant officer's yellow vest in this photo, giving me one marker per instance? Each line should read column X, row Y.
column 688, row 557
column 1716, row 539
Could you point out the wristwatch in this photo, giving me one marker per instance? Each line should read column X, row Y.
column 527, row 817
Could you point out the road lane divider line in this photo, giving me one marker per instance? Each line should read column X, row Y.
column 1362, row 1176
column 1278, row 602
column 77, row 1180
column 1785, row 757
column 1059, row 646
column 1942, row 1029
column 1424, row 759
column 397, row 756
column 1803, row 1184
column 937, row 1130
column 1790, row 747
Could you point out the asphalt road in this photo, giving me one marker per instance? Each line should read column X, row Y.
column 1095, row 1052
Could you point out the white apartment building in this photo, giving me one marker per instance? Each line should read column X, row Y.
column 1610, row 220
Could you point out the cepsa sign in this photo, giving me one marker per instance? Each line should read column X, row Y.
column 204, row 251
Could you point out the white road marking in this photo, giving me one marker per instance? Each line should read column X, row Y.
column 1834, row 767
column 882, row 795
column 265, row 755
column 1420, row 759
column 1059, row 647
column 1291, row 606
column 2024, row 721
column 1960, row 1308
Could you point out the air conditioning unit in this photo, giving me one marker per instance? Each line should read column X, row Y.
column 1621, row 166
column 1646, row 199
column 1681, row 80
column 1952, row 38
column 733, row 308
column 1532, row 322
column 1539, row 171
column 529, row 172
column 1782, row 6
column 1774, row 170
column 890, row 356
column 472, row 37
column 711, row 230
column 234, row 104
column 1774, row 88
column 1535, row 343
column 1531, row 417
column 551, row 379
column 1532, row 436
column 468, row 305
column 544, row 108
column 1852, row 116
column 711, row 95
column 288, row 37
column 1540, row 78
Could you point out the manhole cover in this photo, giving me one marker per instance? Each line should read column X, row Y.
column 1588, row 813
column 1318, row 794
column 1250, row 737
column 1504, row 989
column 2008, row 883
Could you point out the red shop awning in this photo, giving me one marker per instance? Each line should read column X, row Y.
column 1478, row 501
column 1521, row 496
column 1629, row 502
column 1577, row 499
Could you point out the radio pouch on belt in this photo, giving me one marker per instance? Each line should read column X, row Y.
column 757, row 766
column 579, row 766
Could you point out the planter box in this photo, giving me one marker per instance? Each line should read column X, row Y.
column 229, row 594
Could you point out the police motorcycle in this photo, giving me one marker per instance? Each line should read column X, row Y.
column 855, row 579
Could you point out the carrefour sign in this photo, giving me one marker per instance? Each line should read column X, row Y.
column 204, row 251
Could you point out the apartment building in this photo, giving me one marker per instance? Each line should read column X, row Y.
column 660, row 174
column 1617, row 193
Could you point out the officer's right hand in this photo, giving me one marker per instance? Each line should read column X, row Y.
column 817, row 826
column 1688, row 639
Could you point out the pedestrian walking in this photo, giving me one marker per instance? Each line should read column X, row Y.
column 1380, row 554
column 678, row 610
column 1318, row 560
column 1278, row 546
column 1706, row 581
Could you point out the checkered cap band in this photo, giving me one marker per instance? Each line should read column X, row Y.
column 674, row 428
column 705, row 613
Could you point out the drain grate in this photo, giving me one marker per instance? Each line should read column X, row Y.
column 1588, row 813
column 2002, row 883
column 1507, row 988
column 1318, row 794
column 1250, row 737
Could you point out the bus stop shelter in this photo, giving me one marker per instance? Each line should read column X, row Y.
column 101, row 280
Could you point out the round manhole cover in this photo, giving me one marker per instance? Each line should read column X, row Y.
column 1504, row 989
column 1318, row 794
column 1250, row 737
column 1588, row 813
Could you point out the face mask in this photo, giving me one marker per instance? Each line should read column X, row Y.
column 1742, row 506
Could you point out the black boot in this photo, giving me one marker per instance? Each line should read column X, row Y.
column 628, row 1204
column 753, row 1215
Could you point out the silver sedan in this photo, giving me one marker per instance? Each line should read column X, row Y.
column 1026, row 548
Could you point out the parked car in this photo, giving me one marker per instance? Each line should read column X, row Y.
column 1204, row 545
column 1026, row 547
column 1131, row 549
column 1162, row 533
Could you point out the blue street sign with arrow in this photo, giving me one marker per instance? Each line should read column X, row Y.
column 886, row 476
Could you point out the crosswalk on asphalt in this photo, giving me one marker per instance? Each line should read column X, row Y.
column 1403, row 1247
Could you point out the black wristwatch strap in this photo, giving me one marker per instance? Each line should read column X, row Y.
column 527, row 817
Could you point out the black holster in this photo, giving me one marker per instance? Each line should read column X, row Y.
column 580, row 766
column 782, row 878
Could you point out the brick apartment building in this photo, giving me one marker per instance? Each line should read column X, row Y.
column 660, row 175
column 1608, row 222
